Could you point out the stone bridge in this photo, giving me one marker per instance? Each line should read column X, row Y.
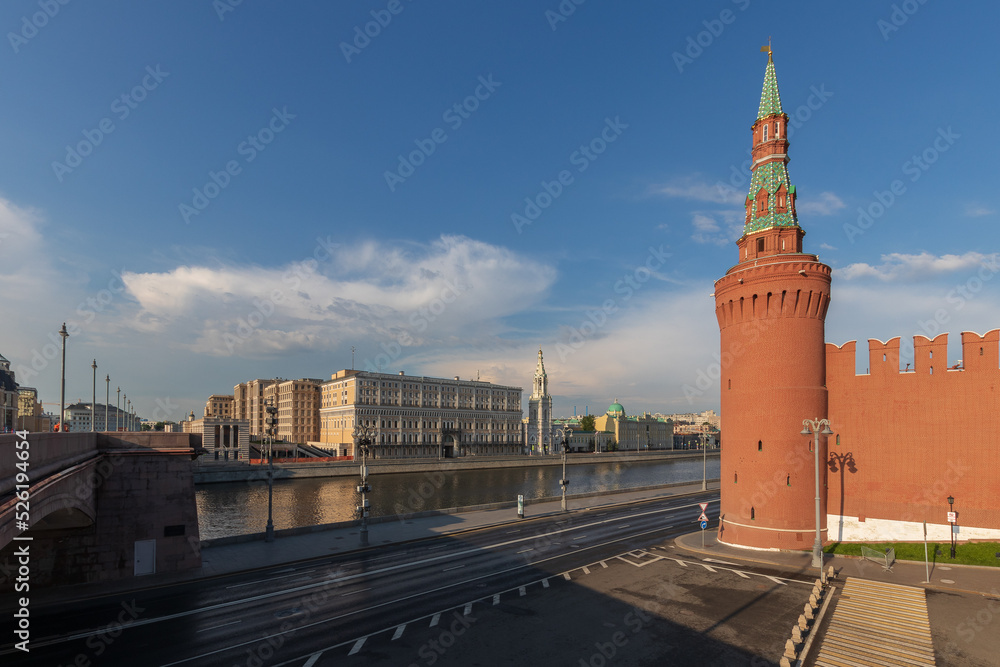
column 100, row 506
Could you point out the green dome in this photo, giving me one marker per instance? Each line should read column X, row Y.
column 616, row 408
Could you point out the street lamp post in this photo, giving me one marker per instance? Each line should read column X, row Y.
column 816, row 428
column 363, row 437
column 118, row 408
column 271, row 421
column 107, row 400
column 951, row 523
column 62, row 384
column 704, row 462
column 93, row 400
column 567, row 435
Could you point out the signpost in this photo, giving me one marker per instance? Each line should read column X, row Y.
column 927, row 565
column 703, row 519
column 520, row 507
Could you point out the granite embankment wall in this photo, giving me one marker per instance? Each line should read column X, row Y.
column 213, row 472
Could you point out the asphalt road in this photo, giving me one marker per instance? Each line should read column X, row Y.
column 399, row 604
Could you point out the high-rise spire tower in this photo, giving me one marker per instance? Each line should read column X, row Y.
column 771, row 307
column 539, row 428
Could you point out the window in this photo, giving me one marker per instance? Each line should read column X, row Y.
column 760, row 446
column 736, row 478
column 760, row 245
column 788, row 480
column 753, row 513
column 764, row 138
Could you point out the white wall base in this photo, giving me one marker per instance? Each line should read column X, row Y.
column 849, row 529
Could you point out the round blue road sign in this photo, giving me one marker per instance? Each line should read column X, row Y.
column 704, row 525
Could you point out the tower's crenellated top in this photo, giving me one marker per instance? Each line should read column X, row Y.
column 770, row 203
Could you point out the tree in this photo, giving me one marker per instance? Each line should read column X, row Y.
column 588, row 423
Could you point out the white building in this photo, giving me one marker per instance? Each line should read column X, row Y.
column 538, row 425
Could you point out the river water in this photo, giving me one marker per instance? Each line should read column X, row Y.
column 238, row 508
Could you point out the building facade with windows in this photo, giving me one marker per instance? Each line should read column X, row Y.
column 248, row 404
column 420, row 416
column 220, row 405
column 298, row 404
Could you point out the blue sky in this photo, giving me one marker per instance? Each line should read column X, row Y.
column 231, row 216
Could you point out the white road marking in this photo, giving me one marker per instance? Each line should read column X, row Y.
column 545, row 583
column 260, row 581
column 467, row 610
column 580, row 537
column 521, row 591
column 496, row 599
column 215, row 627
column 708, row 567
column 447, row 569
column 604, row 565
column 357, row 645
column 434, row 620
column 361, row 590
column 586, row 570
column 625, row 526
column 742, row 574
column 536, row 563
column 312, row 659
column 720, row 562
column 399, row 632
column 679, row 562
column 775, row 580
column 524, row 551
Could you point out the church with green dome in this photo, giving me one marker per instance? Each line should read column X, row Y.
column 616, row 431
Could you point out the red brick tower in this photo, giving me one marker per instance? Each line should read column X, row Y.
column 771, row 308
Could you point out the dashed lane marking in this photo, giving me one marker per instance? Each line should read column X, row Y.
column 399, row 632
column 545, row 583
column 434, row 620
column 522, row 591
column 455, row 567
column 312, row 659
column 567, row 577
column 586, row 570
column 467, row 610
column 496, row 599
column 357, row 645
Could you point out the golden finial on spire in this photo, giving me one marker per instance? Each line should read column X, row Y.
column 767, row 48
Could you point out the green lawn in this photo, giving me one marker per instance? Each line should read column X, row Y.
column 973, row 553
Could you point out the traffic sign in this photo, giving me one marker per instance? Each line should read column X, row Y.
column 952, row 517
column 703, row 517
column 704, row 525
column 704, row 506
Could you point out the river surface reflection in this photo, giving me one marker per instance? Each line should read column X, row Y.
column 238, row 508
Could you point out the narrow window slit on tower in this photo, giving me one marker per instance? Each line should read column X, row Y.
column 760, row 242
column 753, row 513
column 760, row 445
column 788, row 480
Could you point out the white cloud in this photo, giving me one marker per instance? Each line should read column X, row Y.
column 827, row 246
column 827, row 204
column 693, row 187
column 415, row 293
column 718, row 227
column 977, row 211
column 898, row 266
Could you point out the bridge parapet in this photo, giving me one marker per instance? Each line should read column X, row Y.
column 101, row 502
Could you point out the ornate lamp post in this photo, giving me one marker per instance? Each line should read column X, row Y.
column 816, row 428
column 566, row 434
column 271, row 420
column 363, row 437
column 107, row 400
column 62, row 385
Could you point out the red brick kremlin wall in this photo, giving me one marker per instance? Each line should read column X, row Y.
column 909, row 439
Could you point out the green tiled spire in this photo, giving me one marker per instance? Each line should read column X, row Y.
column 769, row 175
column 770, row 101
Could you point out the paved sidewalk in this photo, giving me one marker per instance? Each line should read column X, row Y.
column 257, row 554
column 945, row 578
